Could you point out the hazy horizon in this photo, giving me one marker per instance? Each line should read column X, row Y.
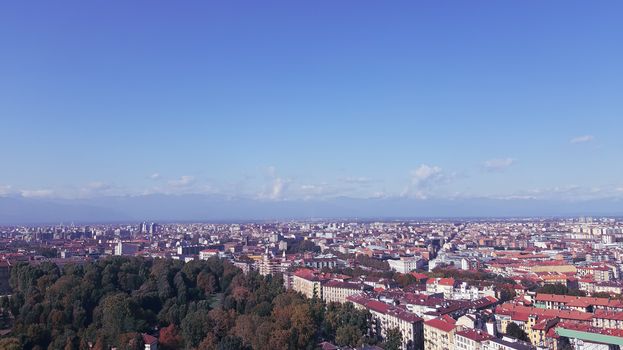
column 196, row 208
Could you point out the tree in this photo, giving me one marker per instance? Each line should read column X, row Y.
column 280, row 339
column 405, row 279
column 513, row 330
column 206, row 282
column 221, row 321
column 117, row 314
column 10, row 344
column 170, row 338
column 209, row 342
column 230, row 342
column 506, row 294
column 348, row 335
column 112, row 301
column 195, row 327
column 48, row 252
column 601, row 295
column 393, row 339
column 559, row 289
column 303, row 325
column 131, row 341
column 339, row 316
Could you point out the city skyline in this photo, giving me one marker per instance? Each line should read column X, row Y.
column 283, row 102
column 313, row 175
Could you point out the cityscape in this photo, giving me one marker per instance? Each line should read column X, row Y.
column 311, row 175
column 430, row 284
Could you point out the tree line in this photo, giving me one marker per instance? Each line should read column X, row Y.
column 196, row 305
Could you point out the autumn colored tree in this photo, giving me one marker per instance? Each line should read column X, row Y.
column 197, row 305
column 170, row 339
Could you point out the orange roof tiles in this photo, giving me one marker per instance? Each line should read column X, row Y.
column 442, row 323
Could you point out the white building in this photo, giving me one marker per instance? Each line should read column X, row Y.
column 406, row 265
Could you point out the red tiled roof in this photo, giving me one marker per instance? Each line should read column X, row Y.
column 311, row 275
column 383, row 308
column 441, row 281
column 441, row 324
column 377, row 306
column 578, row 301
column 446, row 281
column 521, row 313
column 475, row 335
column 609, row 315
column 418, row 275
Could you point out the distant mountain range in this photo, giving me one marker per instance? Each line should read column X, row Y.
column 159, row 207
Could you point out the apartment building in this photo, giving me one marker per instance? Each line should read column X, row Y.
column 471, row 339
column 338, row 291
column 386, row 317
column 308, row 282
column 439, row 333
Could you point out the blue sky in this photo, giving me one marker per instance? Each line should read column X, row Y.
column 292, row 99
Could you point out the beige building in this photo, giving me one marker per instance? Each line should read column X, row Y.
column 337, row 291
column 308, row 283
column 439, row 333
column 471, row 339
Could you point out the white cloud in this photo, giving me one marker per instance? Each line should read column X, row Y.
column 379, row 195
column 277, row 189
column 316, row 191
column 423, row 179
column 6, row 190
column 498, row 164
column 360, row 180
column 312, row 189
column 183, row 181
column 93, row 189
column 276, row 186
column 582, row 139
column 42, row 193
column 98, row 185
column 425, row 174
column 154, row 176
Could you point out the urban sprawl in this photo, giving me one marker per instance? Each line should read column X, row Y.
column 464, row 284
